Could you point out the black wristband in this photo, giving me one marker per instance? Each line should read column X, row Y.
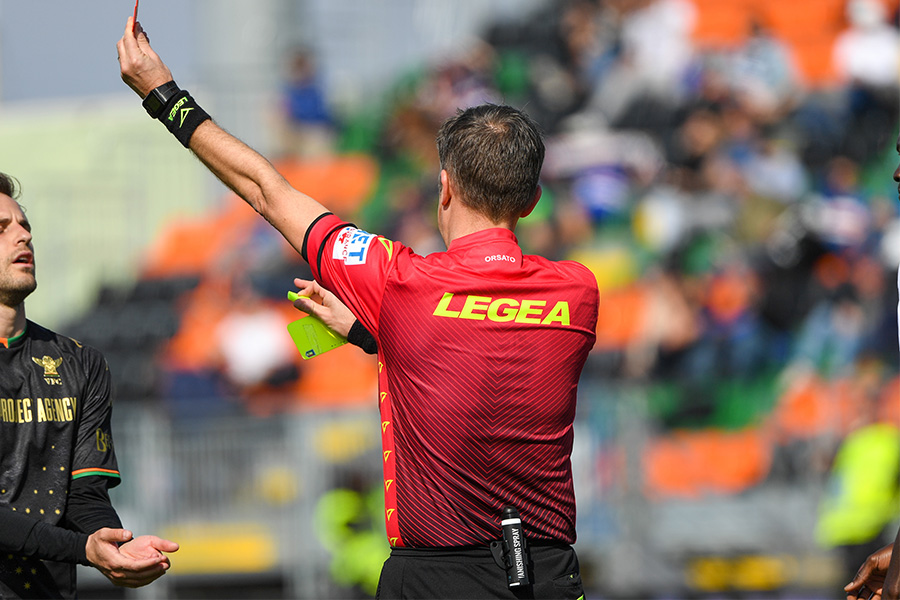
column 158, row 97
column 360, row 336
column 182, row 115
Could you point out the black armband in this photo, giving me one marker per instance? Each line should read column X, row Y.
column 360, row 336
column 159, row 97
column 181, row 116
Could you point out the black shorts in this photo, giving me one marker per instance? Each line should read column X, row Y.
column 468, row 573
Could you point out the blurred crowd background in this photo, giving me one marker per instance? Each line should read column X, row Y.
column 722, row 166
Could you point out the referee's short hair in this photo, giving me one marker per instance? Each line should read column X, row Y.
column 9, row 186
column 494, row 154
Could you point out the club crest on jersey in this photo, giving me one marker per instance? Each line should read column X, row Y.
column 50, row 365
column 352, row 246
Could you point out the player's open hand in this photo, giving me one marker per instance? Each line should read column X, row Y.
column 148, row 546
column 136, row 563
column 142, row 69
column 323, row 304
column 869, row 580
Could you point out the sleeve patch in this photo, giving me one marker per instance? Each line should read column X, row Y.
column 352, row 246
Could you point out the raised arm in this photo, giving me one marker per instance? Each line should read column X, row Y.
column 238, row 166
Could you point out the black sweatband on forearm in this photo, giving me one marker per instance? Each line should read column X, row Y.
column 54, row 543
column 25, row 535
column 89, row 508
column 360, row 336
column 182, row 115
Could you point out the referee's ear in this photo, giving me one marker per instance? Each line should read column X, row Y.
column 537, row 196
column 445, row 192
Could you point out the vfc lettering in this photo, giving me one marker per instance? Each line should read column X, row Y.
column 503, row 310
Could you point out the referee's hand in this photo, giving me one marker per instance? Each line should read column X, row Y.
column 323, row 304
column 141, row 68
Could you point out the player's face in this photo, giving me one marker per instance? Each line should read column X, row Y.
column 17, row 278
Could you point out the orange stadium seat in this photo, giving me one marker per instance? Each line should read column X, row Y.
column 690, row 464
column 622, row 316
column 889, row 402
column 668, row 470
column 815, row 62
column 809, row 27
column 342, row 183
column 202, row 309
column 191, row 246
column 802, row 19
column 721, row 23
column 800, row 412
column 813, row 406
column 344, row 376
column 735, row 460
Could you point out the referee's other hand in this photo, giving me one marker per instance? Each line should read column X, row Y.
column 324, row 305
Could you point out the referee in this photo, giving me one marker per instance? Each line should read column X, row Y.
column 480, row 348
column 56, row 450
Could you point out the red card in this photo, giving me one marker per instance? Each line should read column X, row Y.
column 134, row 22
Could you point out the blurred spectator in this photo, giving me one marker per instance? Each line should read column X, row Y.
column 775, row 171
column 257, row 356
column 308, row 128
column 193, row 385
column 839, row 213
column 866, row 54
column 461, row 83
column 655, row 53
column 867, row 59
column 764, row 75
column 832, row 335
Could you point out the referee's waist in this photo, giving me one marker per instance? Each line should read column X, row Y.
column 467, row 551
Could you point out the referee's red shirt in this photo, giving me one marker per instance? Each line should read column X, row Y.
column 480, row 349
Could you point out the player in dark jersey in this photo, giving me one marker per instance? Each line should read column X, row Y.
column 480, row 348
column 56, row 449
